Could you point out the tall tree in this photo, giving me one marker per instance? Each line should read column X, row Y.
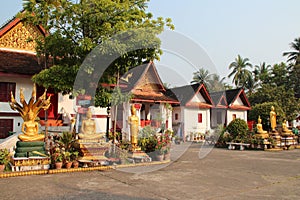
column 294, row 61
column 75, row 29
column 201, row 76
column 240, row 72
column 215, row 83
column 294, row 56
column 211, row 81
column 261, row 73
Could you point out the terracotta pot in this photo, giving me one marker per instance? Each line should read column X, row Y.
column 75, row 164
column 68, row 165
column 159, row 157
column 2, row 167
column 167, row 156
column 58, row 165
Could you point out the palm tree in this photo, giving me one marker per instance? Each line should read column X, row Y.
column 262, row 72
column 201, row 76
column 250, row 85
column 215, row 83
column 294, row 56
column 240, row 72
column 294, row 59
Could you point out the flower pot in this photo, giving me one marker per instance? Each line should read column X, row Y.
column 159, row 157
column 68, row 165
column 167, row 156
column 75, row 164
column 58, row 165
column 2, row 167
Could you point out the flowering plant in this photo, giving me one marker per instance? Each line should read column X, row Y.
column 163, row 143
column 57, row 155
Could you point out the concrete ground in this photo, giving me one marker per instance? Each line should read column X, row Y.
column 220, row 174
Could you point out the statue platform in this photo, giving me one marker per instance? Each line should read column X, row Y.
column 92, row 149
column 276, row 136
column 31, row 163
column 139, row 156
column 30, row 149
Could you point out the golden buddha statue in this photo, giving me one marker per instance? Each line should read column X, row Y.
column 285, row 130
column 88, row 128
column 273, row 118
column 30, row 129
column 259, row 129
column 133, row 121
column 29, row 111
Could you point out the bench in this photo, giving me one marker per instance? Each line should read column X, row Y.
column 232, row 145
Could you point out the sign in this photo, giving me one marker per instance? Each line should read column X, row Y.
column 84, row 102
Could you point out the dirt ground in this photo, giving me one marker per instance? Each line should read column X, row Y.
column 213, row 174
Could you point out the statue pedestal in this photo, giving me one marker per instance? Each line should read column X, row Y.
column 275, row 135
column 287, row 141
column 30, row 149
column 139, row 156
column 30, row 156
column 92, row 150
column 31, row 163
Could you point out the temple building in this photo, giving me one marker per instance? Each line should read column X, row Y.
column 229, row 105
column 193, row 113
column 153, row 105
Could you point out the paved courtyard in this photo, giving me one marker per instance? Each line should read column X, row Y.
column 221, row 174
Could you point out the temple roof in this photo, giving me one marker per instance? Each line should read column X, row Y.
column 185, row 94
column 145, row 84
column 19, row 62
column 219, row 99
column 227, row 98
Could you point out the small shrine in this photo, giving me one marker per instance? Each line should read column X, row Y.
column 30, row 153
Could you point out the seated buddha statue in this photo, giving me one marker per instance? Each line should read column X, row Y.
column 88, row 128
column 30, row 129
column 259, row 129
column 285, row 130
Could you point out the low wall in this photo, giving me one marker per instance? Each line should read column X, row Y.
column 10, row 142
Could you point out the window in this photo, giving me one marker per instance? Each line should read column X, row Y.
column 5, row 89
column 199, row 117
column 176, row 116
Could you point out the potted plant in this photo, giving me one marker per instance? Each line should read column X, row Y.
column 74, row 157
column 160, row 148
column 67, row 159
column 4, row 159
column 57, row 158
column 167, row 153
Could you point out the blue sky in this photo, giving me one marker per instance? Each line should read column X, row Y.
column 260, row 30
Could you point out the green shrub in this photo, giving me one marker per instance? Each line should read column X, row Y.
column 238, row 130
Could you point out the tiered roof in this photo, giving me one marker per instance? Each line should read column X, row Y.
column 145, row 84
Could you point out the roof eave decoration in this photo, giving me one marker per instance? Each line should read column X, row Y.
column 238, row 107
column 198, row 105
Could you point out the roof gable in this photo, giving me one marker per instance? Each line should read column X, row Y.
column 194, row 95
column 219, row 99
column 19, row 36
column 145, row 84
column 237, row 99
